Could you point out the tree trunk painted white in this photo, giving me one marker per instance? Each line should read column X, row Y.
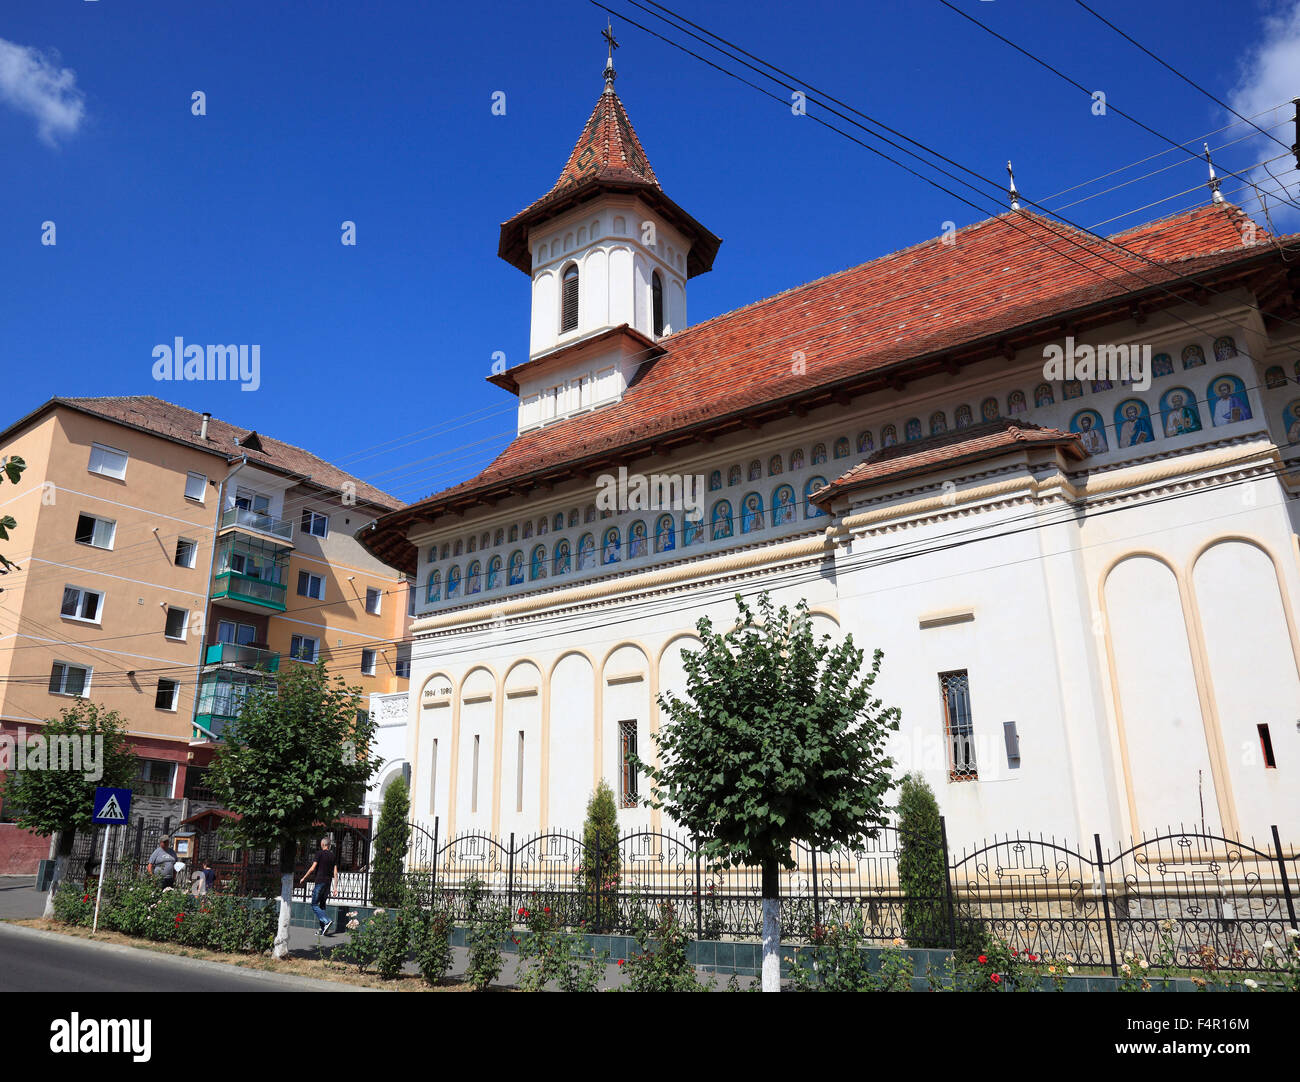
column 60, row 869
column 281, row 948
column 771, row 944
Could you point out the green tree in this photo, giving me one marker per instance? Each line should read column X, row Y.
column 778, row 739
column 391, row 841
column 293, row 763
column 11, row 468
column 53, row 800
column 600, row 867
column 921, row 871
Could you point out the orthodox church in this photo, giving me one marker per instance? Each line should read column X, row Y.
column 1084, row 576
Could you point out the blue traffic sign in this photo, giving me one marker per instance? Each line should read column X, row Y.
column 112, row 806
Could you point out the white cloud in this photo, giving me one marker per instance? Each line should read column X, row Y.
column 1267, row 81
column 33, row 83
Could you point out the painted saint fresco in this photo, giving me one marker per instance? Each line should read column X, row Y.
column 586, row 552
column 962, row 418
column 636, row 540
column 1224, row 348
column 528, row 530
column 938, row 423
column 751, row 514
column 563, row 557
column 542, row 526
column 611, row 554
column 1193, row 357
column 796, row 459
column 774, row 465
column 1092, row 432
column 1228, row 402
column 888, row 436
column 1043, row 395
column 1071, row 388
column 516, row 568
column 842, row 447
column 810, row 509
column 1274, row 377
column 755, row 470
column 721, row 519
column 1162, row 365
column 434, row 590
column 1016, row 403
column 474, row 578
column 865, row 443
column 665, row 534
column 453, row 583
column 912, row 430
column 537, row 565
column 783, row 506
column 715, row 480
column 1179, row 414
column 1100, row 385
column 1133, row 423
column 733, row 475
column 1291, row 422
column 989, row 409
column 494, row 573
column 692, row 531
column 558, row 524
column 819, row 454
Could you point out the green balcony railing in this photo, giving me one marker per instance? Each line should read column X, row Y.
column 258, row 522
column 241, row 654
column 231, row 584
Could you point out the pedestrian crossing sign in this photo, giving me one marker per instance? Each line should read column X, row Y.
column 111, row 806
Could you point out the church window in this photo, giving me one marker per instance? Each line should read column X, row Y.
column 519, row 774
column 627, row 749
column 473, row 792
column 958, row 727
column 433, row 778
column 1266, row 746
column 657, row 302
column 569, row 299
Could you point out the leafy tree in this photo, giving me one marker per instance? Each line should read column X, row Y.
column 60, row 801
column 777, row 740
column 599, row 870
column 293, row 763
column 391, row 841
column 921, row 871
column 11, row 468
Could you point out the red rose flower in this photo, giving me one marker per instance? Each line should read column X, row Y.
column 984, row 959
column 522, row 911
column 1033, row 958
column 620, row 961
column 547, row 909
column 995, row 978
column 85, row 897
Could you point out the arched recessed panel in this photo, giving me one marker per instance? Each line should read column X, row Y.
column 570, row 751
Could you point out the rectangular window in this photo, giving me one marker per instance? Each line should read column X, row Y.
column 68, row 679
column 1266, row 745
column 186, row 552
column 107, row 461
column 584, row 391
column 410, row 599
column 402, row 667
column 95, row 531
column 373, row 599
column 168, row 692
column 303, row 648
column 315, row 524
column 176, row 621
column 473, row 791
column 155, row 777
column 248, row 500
column 310, row 585
column 196, row 485
column 367, row 663
column 519, row 774
column 79, row 604
column 958, row 727
column 627, row 748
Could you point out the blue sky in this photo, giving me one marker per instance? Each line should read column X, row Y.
column 226, row 227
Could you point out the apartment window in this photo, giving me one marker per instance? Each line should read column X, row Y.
column 402, row 666
column 196, row 484
column 68, row 679
column 186, row 552
column 310, row 585
column 154, row 777
column 229, row 631
column 95, row 531
column 176, row 621
column 315, row 524
column 627, row 749
column 303, row 648
column 247, row 500
column 957, row 725
column 79, row 604
column 168, row 692
column 569, row 299
column 373, row 598
column 1266, row 746
column 367, row 663
column 107, row 461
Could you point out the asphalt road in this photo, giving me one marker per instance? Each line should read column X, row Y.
column 32, row 961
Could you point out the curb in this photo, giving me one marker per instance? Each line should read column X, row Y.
column 286, row 981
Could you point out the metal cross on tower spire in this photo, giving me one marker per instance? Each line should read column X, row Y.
column 612, row 42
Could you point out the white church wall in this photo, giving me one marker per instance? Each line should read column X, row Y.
column 521, row 750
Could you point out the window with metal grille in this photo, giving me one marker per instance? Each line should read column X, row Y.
column 569, row 299
column 627, row 748
column 957, row 725
column 657, row 302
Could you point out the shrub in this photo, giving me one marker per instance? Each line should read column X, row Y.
column 74, row 904
column 600, row 866
column 835, row 962
column 391, row 840
column 548, row 953
column 383, row 941
column 922, row 874
column 485, row 958
column 432, row 942
column 660, row 964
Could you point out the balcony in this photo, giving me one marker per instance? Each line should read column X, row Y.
column 242, row 656
column 242, row 517
column 245, row 591
column 222, row 693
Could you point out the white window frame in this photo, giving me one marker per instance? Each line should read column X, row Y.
column 103, row 450
column 176, row 695
column 109, row 523
column 63, row 681
column 82, row 591
column 295, row 647
column 194, row 552
column 312, row 518
column 202, row 479
column 320, row 582
column 185, row 623
column 368, row 657
column 378, row 595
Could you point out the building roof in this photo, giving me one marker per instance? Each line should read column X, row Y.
column 960, row 447
column 180, row 425
column 608, row 157
column 1002, row 284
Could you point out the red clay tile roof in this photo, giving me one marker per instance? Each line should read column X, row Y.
column 177, row 423
column 950, row 449
column 897, row 317
column 608, row 156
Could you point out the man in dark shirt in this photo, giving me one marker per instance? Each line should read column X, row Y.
column 325, row 869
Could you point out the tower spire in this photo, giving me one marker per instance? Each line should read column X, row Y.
column 1011, row 188
column 1215, row 195
column 612, row 42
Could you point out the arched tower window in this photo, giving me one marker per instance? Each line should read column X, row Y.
column 657, row 302
column 569, row 299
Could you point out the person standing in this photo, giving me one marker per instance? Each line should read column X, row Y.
column 162, row 862
column 325, row 869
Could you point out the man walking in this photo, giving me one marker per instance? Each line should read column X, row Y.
column 162, row 862
column 325, row 868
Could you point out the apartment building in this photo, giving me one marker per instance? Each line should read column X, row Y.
column 170, row 561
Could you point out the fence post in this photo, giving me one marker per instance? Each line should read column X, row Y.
column 817, row 901
column 1286, row 881
column 139, row 840
column 510, row 877
column 699, row 899
column 947, row 885
column 1105, row 905
column 433, row 865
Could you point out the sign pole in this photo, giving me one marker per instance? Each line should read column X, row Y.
column 99, row 892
